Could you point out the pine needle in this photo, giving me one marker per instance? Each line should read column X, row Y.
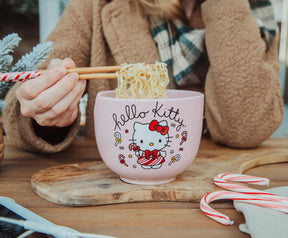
column 31, row 60
column 8, row 43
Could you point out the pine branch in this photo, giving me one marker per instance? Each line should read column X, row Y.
column 8, row 43
column 5, row 62
column 28, row 62
column 31, row 60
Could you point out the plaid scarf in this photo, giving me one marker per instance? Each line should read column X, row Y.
column 180, row 46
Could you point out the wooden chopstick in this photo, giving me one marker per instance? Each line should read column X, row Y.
column 91, row 70
column 95, row 72
column 102, row 72
column 100, row 69
column 98, row 76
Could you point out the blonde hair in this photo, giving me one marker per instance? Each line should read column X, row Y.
column 171, row 9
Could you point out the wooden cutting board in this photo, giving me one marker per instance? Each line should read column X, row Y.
column 92, row 183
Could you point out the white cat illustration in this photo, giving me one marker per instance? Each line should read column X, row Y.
column 148, row 141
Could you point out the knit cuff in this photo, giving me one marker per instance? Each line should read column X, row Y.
column 35, row 143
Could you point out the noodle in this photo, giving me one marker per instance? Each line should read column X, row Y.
column 142, row 81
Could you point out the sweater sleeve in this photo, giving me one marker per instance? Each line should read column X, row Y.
column 243, row 104
column 71, row 38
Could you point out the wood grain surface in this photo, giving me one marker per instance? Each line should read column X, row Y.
column 143, row 219
column 92, row 183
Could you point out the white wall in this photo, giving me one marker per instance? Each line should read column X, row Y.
column 278, row 8
column 281, row 8
column 49, row 12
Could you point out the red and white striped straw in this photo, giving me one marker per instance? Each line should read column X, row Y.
column 243, row 194
column 19, row 76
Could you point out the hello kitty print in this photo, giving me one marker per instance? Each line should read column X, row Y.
column 149, row 142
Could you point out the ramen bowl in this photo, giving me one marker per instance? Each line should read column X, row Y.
column 148, row 141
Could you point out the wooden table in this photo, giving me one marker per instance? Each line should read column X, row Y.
column 150, row 219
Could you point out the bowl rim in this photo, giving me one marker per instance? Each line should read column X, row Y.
column 194, row 95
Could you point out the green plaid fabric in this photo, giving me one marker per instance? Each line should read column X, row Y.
column 180, row 46
column 264, row 15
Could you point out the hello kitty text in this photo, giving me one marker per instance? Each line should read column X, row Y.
column 130, row 114
column 171, row 113
column 158, row 111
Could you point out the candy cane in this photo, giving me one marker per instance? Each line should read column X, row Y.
column 122, row 160
column 220, row 195
column 243, row 178
column 19, row 76
column 221, row 180
column 117, row 138
column 184, row 137
column 243, row 194
column 174, row 159
column 134, row 147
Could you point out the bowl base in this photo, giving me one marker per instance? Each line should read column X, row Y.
column 141, row 182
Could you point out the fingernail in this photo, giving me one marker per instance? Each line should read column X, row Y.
column 68, row 60
column 74, row 75
column 82, row 81
column 61, row 71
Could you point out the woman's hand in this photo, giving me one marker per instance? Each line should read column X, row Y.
column 52, row 98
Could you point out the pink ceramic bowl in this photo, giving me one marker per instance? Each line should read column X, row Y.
column 148, row 141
